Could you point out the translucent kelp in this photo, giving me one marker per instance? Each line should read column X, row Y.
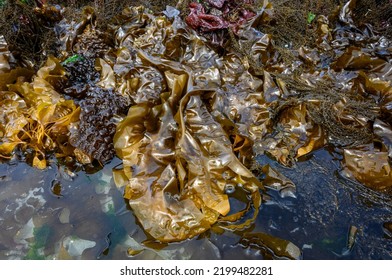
column 271, row 246
column 178, row 160
column 371, row 168
column 34, row 116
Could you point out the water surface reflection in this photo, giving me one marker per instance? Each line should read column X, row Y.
column 63, row 214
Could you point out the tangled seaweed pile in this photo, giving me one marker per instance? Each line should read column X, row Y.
column 192, row 119
column 34, row 117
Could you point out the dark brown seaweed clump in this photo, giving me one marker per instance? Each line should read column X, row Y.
column 94, row 133
column 80, row 74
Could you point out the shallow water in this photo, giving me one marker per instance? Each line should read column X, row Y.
column 327, row 205
column 59, row 214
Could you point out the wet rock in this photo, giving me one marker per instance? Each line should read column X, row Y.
column 64, row 216
column 25, row 233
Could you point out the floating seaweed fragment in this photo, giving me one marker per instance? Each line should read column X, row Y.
column 271, row 246
column 73, row 247
column 41, row 235
column 311, row 17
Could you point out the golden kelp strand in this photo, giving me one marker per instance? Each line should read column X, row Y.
column 43, row 117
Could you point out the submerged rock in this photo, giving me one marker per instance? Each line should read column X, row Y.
column 75, row 246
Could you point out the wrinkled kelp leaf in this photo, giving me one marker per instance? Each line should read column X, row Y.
column 92, row 135
column 177, row 160
column 7, row 74
column 384, row 132
column 67, row 32
column 371, row 168
column 14, row 117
